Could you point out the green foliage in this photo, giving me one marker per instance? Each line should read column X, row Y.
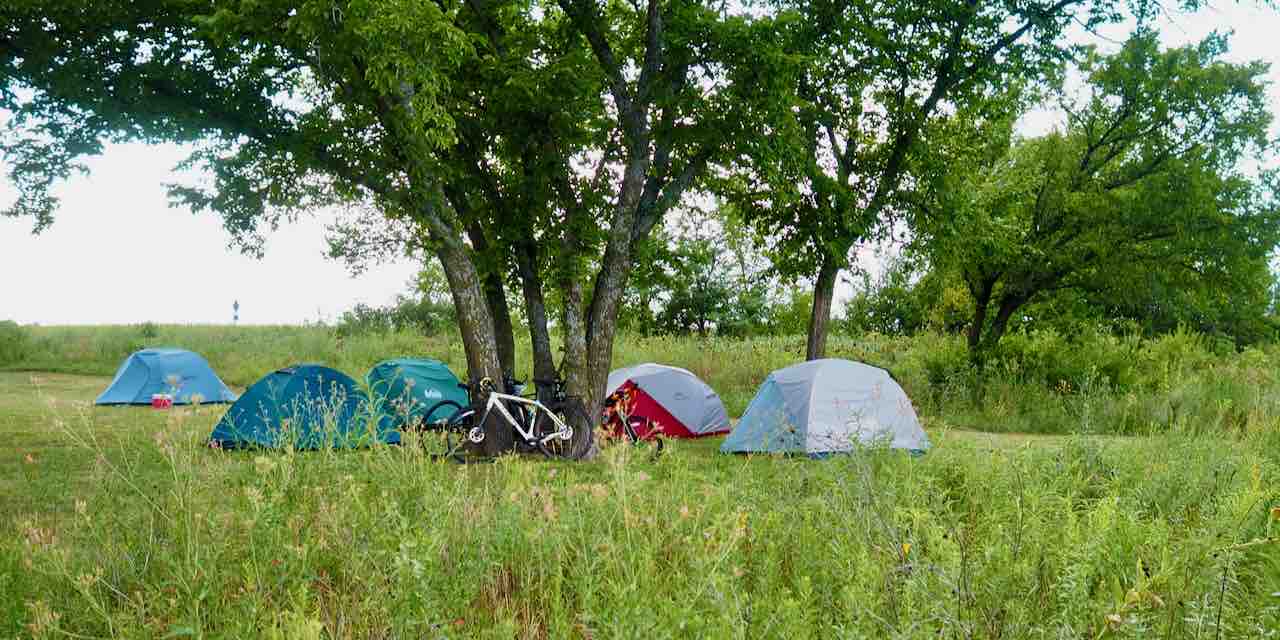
column 1143, row 184
column 869, row 90
column 404, row 315
column 703, row 275
column 15, row 343
column 148, row 330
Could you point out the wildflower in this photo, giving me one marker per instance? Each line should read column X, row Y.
column 1275, row 512
column 906, row 549
column 43, row 619
column 684, row 511
column 1114, row 621
column 39, row 536
column 738, row 572
column 642, row 476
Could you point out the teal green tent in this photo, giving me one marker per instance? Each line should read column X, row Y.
column 306, row 406
column 413, row 391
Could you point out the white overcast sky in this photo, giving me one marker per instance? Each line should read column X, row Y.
column 117, row 253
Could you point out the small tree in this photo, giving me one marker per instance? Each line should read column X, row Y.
column 868, row 81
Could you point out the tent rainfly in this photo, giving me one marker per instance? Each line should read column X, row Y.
column 413, row 391
column 306, row 407
column 177, row 372
column 670, row 400
column 827, row 406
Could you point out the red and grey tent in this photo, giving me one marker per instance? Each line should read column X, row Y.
column 666, row 400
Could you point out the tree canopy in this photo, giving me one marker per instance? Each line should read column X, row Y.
column 868, row 82
column 1143, row 184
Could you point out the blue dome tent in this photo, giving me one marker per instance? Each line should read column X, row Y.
column 178, row 372
column 306, row 407
column 827, row 406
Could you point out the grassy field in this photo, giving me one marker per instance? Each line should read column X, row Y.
column 1151, row 510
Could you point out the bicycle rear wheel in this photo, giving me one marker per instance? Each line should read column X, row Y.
column 578, row 441
column 447, row 438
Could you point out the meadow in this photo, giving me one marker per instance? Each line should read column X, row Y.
column 1093, row 486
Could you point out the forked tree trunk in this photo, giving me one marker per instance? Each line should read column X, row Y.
column 476, row 326
column 824, row 291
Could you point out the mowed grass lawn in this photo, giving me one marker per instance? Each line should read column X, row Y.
column 118, row 523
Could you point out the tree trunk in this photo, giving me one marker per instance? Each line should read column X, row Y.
column 544, row 363
column 824, row 291
column 982, row 298
column 1008, row 305
column 495, row 294
column 475, row 323
column 611, row 283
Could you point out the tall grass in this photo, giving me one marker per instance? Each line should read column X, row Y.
column 1170, row 537
column 120, row 523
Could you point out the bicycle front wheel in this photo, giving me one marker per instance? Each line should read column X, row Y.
column 572, row 445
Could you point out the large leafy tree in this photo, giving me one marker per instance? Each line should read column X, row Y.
column 869, row 80
column 1143, row 185
column 532, row 140
column 291, row 105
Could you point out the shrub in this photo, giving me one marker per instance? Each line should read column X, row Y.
column 405, row 314
column 149, row 330
column 15, row 342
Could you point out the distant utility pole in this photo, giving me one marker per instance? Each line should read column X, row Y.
column 235, row 312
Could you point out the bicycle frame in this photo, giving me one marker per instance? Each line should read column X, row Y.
column 497, row 401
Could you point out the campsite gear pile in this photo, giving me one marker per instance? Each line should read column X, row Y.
column 817, row 408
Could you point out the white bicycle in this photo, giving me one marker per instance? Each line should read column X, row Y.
column 558, row 428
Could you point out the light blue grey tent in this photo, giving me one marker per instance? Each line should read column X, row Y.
column 183, row 374
column 827, row 406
